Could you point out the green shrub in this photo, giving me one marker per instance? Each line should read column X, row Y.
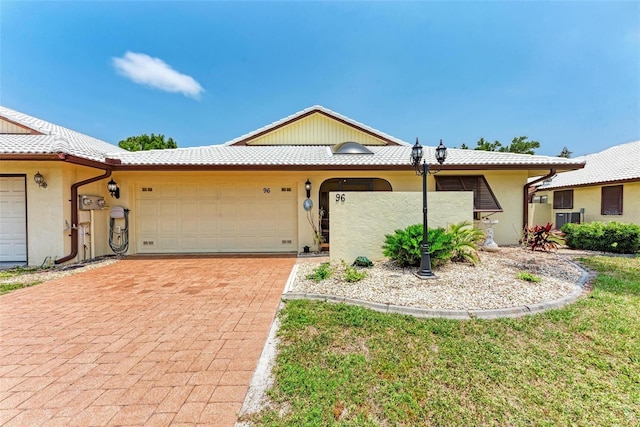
column 404, row 245
column 458, row 243
column 528, row 277
column 352, row 274
column 321, row 272
column 542, row 237
column 597, row 236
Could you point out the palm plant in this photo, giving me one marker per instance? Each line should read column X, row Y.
column 464, row 241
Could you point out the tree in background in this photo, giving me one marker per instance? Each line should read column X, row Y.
column 145, row 142
column 518, row 145
column 565, row 153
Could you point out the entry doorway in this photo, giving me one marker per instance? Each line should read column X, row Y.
column 345, row 185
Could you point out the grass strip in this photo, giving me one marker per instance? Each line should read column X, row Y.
column 349, row 366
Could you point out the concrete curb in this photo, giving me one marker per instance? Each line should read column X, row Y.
column 262, row 379
column 498, row 313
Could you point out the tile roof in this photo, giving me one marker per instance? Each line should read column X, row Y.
column 54, row 139
column 59, row 139
column 304, row 155
column 618, row 163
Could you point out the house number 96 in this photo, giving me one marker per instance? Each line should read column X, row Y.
column 266, row 190
column 340, row 197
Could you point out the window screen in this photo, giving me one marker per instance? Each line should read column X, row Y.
column 611, row 200
column 483, row 198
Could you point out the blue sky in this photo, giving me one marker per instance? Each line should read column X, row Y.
column 562, row 73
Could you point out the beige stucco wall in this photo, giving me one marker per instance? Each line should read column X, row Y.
column 539, row 214
column 589, row 198
column 360, row 222
column 49, row 209
column 44, row 209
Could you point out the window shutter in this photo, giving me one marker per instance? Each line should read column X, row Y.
column 483, row 198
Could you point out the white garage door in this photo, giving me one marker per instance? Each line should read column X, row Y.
column 13, row 220
column 184, row 218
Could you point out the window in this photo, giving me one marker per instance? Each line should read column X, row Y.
column 483, row 198
column 611, row 200
column 563, row 199
column 540, row 199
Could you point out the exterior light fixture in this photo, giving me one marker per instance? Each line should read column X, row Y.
column 308, row 203
column 307, row 186
column 39, row 179
column 112, row 186
column 416, row 157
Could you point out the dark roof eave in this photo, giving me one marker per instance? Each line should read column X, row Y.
column 302, row 167
column 61, row 157
column 590, row 184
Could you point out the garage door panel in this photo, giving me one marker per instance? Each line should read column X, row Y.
column 167, row 208
column 13, row 219
column 218, row 217
column 167, row 191
column 168, row 225
column 190, row 226
column 209, row 225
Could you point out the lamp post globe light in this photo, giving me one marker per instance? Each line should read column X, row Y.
column 416, row 157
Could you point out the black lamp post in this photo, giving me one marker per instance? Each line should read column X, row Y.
column 416, row 156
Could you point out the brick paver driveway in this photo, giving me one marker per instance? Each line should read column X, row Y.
column 140, row 342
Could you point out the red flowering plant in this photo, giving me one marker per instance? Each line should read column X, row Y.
column 542, row 238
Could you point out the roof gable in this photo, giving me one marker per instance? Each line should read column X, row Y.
column 41, row 137
column 8, row 127
column 316, row 126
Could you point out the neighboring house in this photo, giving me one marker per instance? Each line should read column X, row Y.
column 607, row 189
column 246, row 195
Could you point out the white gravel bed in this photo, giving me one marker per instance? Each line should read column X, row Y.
column 491, row 284
column 57, row 273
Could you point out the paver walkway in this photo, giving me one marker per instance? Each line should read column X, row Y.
column 141, row 342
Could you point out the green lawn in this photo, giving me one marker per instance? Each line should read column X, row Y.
column 12, row 273
column 343, row 365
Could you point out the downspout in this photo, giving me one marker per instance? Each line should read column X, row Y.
column 74, row 214
column 525, row 211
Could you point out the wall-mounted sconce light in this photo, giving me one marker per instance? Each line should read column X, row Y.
column 307, row 186
column 39, row 179
column 308, row 203
column 112, row 186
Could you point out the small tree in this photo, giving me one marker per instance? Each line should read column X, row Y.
column 145, row 142
column 483, row 145
column 565, row 153
column 519, row 144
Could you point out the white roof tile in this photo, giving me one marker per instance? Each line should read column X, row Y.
column 55, row 139
column 59, row 139
column 618, row 163
column 304, row 155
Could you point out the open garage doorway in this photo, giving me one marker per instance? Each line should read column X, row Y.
column 346, row 185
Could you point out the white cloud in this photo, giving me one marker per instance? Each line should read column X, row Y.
column 156, row 73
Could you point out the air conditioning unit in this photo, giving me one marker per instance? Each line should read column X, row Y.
column 565, row 217
column 90, row 203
